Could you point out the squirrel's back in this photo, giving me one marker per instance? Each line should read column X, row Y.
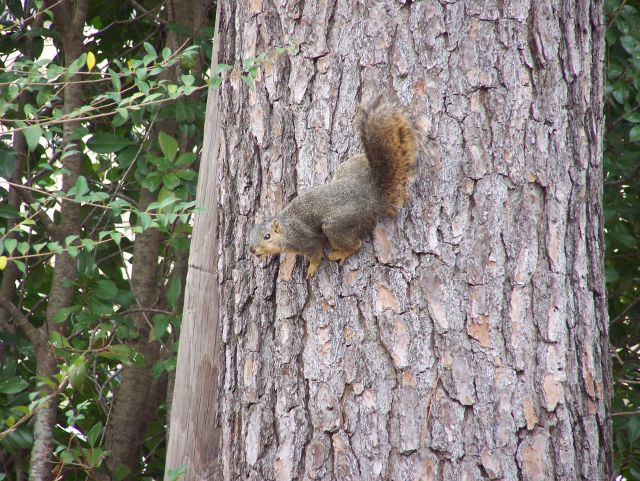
column 389, row 141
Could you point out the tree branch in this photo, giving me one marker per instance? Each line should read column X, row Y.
column 51, row 227
column 33, row 333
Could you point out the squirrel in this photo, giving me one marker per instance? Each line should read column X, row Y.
column 365, row 187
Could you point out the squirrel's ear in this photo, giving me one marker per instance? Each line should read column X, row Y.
column 275, row 225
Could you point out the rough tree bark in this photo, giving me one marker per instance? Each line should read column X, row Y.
column 468, row 338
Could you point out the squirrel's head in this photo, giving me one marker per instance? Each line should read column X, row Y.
column 266, row 238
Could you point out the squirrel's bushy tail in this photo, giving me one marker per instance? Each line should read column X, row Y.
column 389, row 141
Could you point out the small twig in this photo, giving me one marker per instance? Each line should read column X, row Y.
column 49, row 225
column 627, row 413
column 625, row 310
column 126, row 173
column 146, row 309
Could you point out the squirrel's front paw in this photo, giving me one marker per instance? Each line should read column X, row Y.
column 311, row 270
column 313, row 266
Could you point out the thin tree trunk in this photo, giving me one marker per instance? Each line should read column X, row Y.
column 468, row 338
column 69, row 20
column 132, row 409
column 194, row 432
column 10, row 274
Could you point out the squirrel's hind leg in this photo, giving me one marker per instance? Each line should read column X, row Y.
column 343, row 248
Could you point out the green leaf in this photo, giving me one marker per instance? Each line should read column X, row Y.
column 20, row 265
column 10, row 245
column 186, row 158
column 221, row 67
column 124, row 113
column 15, row 7
column 249, row 81
column 7, row 160
column 30, row 110
column 634, row 134
column 54, row 71
column 13, row 385
column 70, row 238
column 80, row 188
column 9, row 212
column 162, row 202
column 21, row 438
column 622, row 235
column 88, row 244
column 66, row 456
column 176, row 473
column 106, row 289
column 124, row 354
column 54, row 247
column 94, row 457
column 64, row 313
column 43, row 96
column 58, row 340
column 115, row 81
column 118, row 352
column 94, row 433
column 188, row 79
column 168, row 145
column 186, row 174
column 77, row 372
column 100, row 307
column 150, row 50
column 160, row 324
column 145, row 220
column 215, row 82
column 23, row 248
column 32, row 135
column 164, row 365
column 76, row 65
column 152, row 181
column 630, row 44
column 633, row 427
column 174, row 290
column 105, row 143
column 116, row 236
column 171, row 181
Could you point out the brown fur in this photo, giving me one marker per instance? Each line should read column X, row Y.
column 388, row 138
column 364, row 188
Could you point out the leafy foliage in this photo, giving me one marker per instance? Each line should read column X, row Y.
column 622, row 223
column 139, row 132
column 139, row 129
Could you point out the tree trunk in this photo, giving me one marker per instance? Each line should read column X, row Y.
column 468, row 338
column 194, row 434
column 139, row 395
column 69, row 21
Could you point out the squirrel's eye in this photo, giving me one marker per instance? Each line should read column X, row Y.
column 267, row 236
